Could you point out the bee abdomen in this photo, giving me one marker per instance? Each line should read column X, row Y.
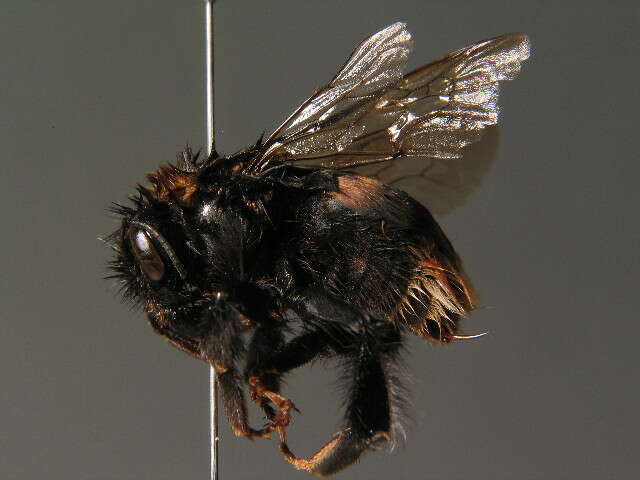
column 437, row 297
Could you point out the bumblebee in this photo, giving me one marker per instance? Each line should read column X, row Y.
column 262, row 261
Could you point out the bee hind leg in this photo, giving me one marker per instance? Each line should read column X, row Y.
column 373, row 405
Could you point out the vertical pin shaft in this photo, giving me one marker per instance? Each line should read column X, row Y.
column 211, row 124
column 211, row 146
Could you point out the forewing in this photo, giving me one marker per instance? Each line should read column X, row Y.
column 321, row 123
column 449, row 102
column 375, row 115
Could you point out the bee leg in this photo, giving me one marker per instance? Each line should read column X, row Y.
column 235, row 407
column 372, row 408
column 280, row 420
column 181, row 342
column 266, row 339
column 265, row 366
column 222, row 359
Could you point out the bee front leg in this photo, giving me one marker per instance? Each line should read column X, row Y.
column 181, row 342
column 220, row 349
column 235, row 407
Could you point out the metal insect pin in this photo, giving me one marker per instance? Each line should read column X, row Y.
column 288, row 236
column 211, row 147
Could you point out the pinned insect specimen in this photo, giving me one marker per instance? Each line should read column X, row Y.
column 283, row 253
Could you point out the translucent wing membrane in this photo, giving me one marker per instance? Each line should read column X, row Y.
column 441, row 185
column 369, row 113
column 448, row 102
column 375, row 65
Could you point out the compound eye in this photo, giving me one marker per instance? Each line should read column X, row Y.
column 146, row 254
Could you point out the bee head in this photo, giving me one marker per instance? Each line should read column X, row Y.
column 153, row 254
column 182, row 247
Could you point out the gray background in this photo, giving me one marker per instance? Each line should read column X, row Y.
column 95, row 94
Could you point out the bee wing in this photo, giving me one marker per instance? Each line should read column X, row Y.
column 441, row 185
column 369, row 113
column 323, row 121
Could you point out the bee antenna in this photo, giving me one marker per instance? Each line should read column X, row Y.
column 260, row 140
